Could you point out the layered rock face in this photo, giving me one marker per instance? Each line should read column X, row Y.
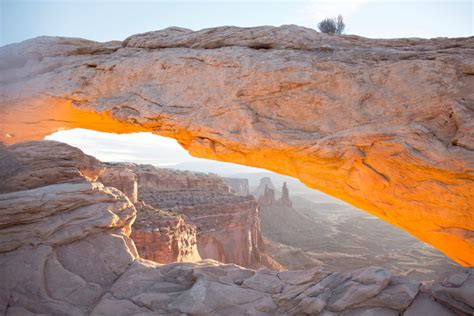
column 238, row 185
column 122, row 178
column 164, row 237
column 65, row 250
column 64, row 240
column 160, row 236
column 228, row 227
column 386, row 125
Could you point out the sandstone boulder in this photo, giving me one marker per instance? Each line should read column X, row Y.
column 426, row 305
column 28, row 166
column 456, row 289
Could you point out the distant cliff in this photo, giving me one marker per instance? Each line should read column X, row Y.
column 219, row 223
column 160, row 236
column 238, row 185
column 279, row 220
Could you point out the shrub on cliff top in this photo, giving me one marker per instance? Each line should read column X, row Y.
column 332, row 26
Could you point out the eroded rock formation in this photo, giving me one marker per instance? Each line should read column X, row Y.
column 227, row 224
column 301, row 234
column 123, row 178
column 63, row 238
column 264, row 185
column 163, row 237
column 282, row 224
column 65, row 250
column 386, row 125
column 239, row 185
column 267, row 197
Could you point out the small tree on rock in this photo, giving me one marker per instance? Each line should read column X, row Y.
column 332, row 26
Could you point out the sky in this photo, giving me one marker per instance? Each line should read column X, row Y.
column 143, row 148
column 107, row 20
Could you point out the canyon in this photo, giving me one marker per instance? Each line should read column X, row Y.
column 160, row 236
column 195, row 215
column 302, row 234
column 383, row 124
column 65, row 249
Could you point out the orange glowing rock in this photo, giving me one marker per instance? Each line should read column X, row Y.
column 386, row 125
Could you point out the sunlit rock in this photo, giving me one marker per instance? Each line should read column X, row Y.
column 164, row 237
column 385, row 124
column 227, row 224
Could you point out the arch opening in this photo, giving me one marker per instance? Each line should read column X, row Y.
column 314, row 230
column 388, row 134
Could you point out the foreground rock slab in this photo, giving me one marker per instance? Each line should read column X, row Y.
column 386, row 125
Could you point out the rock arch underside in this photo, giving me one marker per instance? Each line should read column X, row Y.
column 386, row 125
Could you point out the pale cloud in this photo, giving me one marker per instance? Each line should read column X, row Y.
column 315, row 11
column 144, row 148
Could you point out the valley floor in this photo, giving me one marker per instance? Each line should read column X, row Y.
column 340, row 238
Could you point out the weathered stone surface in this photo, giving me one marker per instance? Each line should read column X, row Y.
column 28, row 166
column 122, row 178
column 370, row 311
column 164, row 237
column 426, row 305
column 456, row 289
column 264, row 280
column 63, row 239
column 92, row 268
column 336, row 292
column 298, row 277
column 54, row 197
column 362, row 285
column 227, row 224
column 385, row 125
column 397, row 295
column 65, row 208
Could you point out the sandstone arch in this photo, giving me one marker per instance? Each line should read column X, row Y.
column 386, row 125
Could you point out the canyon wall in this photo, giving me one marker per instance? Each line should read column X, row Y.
column 160, row 236
column 384, row 124
column 65, row 250
column 238, row 185
column 227, row 224
column 164, row 237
